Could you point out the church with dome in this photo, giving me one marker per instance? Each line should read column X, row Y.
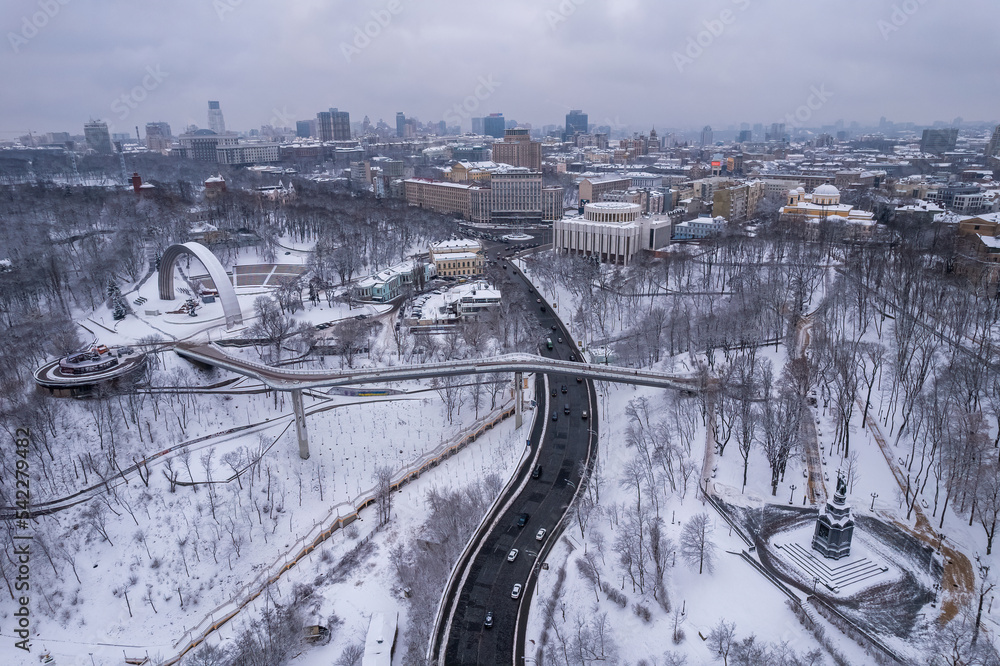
column 824, row 205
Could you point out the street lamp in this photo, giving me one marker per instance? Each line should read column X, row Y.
column 874, row 495
column 791, row 493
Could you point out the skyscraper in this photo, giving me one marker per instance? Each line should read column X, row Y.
column 215, row 121
column 400, row 124
column 993, row 147
column 576, row 122
column 98, row 137
column 303, row 128
column 494, row 125
column 477, row 125
column 341, row 125
column 706, row 136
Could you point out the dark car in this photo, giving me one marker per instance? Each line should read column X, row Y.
column 542, row 308
column 563, row 388
column 553, row 392
column 522, row 520
column 537, row 472
column 579, row 380
column 555, row 415
column 488, row 622
column 553, row 327
column 566, row 408
column 572, row 357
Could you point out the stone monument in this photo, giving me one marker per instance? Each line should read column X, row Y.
column 835, row 527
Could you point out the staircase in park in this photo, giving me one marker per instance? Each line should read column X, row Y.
column 834, row 574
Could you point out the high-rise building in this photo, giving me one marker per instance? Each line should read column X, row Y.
column 993, row 147
column 303, row 128
column 518, row 149
column 938, row 140
column 745, row 136
column 706, row 136
column 324, row 126
column 98, row 137
column 341, row 125
column 158, row 136
column 400, row 124
column 493, row 125
column 215, row 120
column 477, row 125
column 576, row 123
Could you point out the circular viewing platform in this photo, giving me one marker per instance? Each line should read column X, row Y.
column 84, row 369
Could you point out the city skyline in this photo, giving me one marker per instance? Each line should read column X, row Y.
column 641, row 66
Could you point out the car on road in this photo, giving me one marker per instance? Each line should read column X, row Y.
column 563, row 388
column 512, row 555
column 566, row 408
column 583, row 415
column 554, row 327
column 553, row 391
column 516, row 592
column 555, row 415
column 560, row 340
column 540, row 534
column 522, row 520
column 538, row 300
column 579, row 380
column 488, row 622
column 572, row 357
column 537, row 472
column 542, row 308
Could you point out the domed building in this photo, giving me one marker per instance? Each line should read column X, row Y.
column 824, row 205
column 611, row 231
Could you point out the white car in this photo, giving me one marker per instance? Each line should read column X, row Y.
column 512, row 555
column 516, row 592
column 540, row 535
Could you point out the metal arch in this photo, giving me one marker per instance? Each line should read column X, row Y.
column 230, row 304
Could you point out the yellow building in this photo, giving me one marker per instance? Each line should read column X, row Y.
column 458, row 257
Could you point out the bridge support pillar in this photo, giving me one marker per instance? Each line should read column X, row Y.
column 300, row 424
column 518, row 397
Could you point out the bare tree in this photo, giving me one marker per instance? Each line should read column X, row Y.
column 383, row 493
column 696, row 545
column 721, row 640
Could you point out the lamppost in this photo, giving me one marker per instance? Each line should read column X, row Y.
column 791, row 493
column 874, row 495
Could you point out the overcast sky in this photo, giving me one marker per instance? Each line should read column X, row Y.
column 632, row 63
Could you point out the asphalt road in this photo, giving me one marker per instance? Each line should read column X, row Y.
column 561, row 446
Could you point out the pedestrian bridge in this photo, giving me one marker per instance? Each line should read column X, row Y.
column 295, row 381
column 284, row 379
